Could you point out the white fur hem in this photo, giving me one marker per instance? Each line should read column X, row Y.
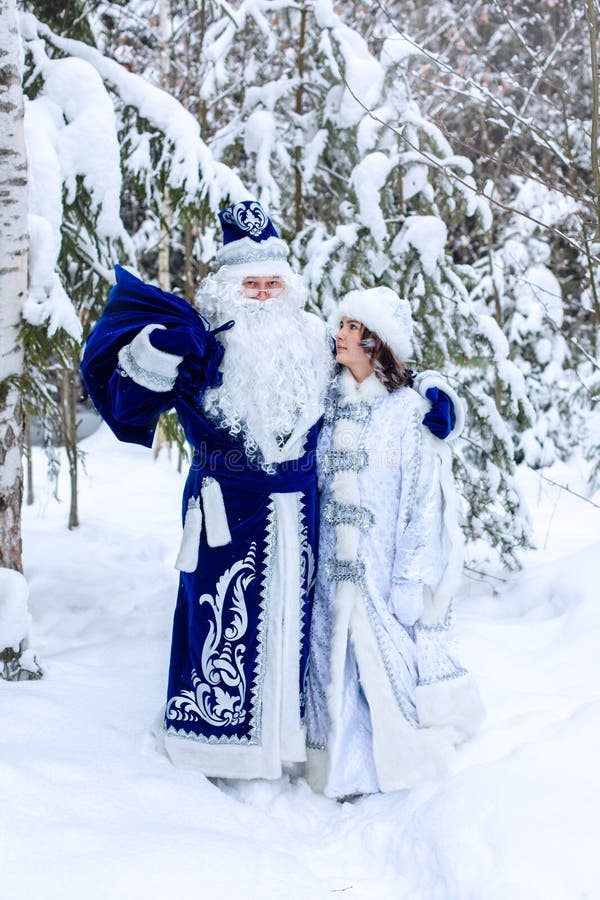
column 220, row 761
column 437, row 604
column 150, row 368
column 316, row 769
column 404, row 754
column 429, row 379
column 454, row 702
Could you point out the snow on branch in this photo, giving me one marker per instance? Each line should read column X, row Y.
column 192, row 166
column 363, row 74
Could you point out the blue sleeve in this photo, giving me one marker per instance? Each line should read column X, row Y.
column 130, row 409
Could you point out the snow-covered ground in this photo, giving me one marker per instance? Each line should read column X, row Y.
column 90, row 810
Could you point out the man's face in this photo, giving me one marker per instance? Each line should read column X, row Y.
column 262, row 287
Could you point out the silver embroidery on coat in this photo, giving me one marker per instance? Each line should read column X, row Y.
column 336, row 513
column 345, row 570
column 144, row 377
column 355, row 412
column 308, row 577
column 341, row 460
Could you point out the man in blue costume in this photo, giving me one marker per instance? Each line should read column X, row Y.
column 248, row 380
column 235, row 702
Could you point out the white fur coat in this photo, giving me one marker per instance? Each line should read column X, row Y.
column 387, row 701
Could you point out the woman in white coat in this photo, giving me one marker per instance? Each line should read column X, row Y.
column 386, row 699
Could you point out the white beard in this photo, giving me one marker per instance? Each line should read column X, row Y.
column 276, row 368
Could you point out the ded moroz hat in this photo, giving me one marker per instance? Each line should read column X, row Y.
column 251, row 244
column 382, row 311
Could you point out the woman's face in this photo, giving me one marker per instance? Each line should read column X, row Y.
column 349, row 351
column 262, row 287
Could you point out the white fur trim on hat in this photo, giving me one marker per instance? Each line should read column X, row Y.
column 239, row 259
column 382, row 311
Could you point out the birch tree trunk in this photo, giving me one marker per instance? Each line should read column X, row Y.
column 15, row 665
column 13, row 285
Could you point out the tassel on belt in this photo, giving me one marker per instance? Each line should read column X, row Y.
column 215, row 524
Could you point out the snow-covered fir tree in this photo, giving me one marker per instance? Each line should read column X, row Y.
column 337, row 119
column 92, row 126
column 368, row 189
column 514, row 86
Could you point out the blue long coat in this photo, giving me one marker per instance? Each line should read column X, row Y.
column 235, row 698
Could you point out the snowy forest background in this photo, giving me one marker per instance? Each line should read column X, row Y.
column 446, row 149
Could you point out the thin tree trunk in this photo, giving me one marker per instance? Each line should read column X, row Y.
column 29, row 460
column 188, row 238
column 164, row 271
column 68, row 396
column 164, row 243
column 164, row 274
column 298, row 145
column 592, row 18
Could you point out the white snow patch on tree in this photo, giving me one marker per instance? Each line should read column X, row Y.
column 259, row 139
column 324, row 14
column 548, row 206
column 538, row 295
column 268, row 94
column 425, row 234
column 87, row 143
column 396, row 49
column 414, row 180
column 363, row 74
column 192, row 165
column 370, row 128
column 47, row 301
column 312, row 152
column 15, row 620
column 368, row 178
column 10, row 466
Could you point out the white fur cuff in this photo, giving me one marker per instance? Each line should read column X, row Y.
column 452, row 702
column 150, row 368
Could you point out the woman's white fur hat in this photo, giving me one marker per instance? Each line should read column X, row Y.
column 382, row 311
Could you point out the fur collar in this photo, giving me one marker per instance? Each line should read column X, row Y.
column 352, row 391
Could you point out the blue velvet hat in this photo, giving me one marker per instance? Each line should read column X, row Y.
column 251, row 245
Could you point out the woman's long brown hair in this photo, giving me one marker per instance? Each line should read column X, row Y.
column 392, row 373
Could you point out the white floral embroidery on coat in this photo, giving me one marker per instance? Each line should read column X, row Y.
column 218, row 694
